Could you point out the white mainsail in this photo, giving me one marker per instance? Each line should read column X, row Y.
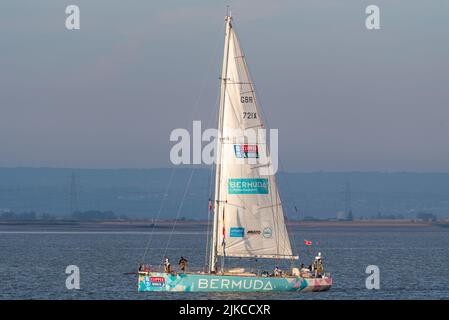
column 248, row 215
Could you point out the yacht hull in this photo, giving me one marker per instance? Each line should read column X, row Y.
column 197, row 282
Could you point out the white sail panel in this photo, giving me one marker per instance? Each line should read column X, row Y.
column 250, row 215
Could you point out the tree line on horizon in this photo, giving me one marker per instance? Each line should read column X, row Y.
column 89, row 215
column 97, row 215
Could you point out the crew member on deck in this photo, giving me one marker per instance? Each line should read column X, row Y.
column 182, row 264
column 144, row 268
column 166, row 266
column 318, row 266
column 277, row 272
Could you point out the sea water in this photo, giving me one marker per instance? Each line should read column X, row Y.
column 413, row 261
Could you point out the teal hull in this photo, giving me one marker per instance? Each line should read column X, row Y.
column 193, row 282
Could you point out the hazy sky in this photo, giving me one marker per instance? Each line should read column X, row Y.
column 108, row 95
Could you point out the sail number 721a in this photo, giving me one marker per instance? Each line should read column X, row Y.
column 249, row 115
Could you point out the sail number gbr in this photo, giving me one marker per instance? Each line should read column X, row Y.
column 244, row 99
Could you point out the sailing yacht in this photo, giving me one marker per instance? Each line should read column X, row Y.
column 248, row 215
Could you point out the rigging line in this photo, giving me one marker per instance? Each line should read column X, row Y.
column 209, row 210
column 289, row 190
column 274, row 211
column 179, row 211
column 212, row 115
column 218, row 167
column 174, row 168
column 200, row 94
column 159, row 212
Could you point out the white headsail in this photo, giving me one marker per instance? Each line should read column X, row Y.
column 249, row 219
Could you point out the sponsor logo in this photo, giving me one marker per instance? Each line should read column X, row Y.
column 246, row 150
column 237, row 232
column 157, row 281
column 245, row 284
column 251, row 232
column 267, row 233
column 247, row 186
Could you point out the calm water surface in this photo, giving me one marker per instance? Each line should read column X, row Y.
column 413, row 262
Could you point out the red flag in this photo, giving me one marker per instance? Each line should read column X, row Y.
column 307, row 242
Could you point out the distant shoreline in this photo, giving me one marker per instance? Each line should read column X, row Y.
column 363, row 223
column 190, row 223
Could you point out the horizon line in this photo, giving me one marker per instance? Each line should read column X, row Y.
column 204, row 167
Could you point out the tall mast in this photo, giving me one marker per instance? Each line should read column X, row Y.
column 217, row 198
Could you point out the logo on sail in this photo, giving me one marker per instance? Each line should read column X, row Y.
column 237, row 232
column 267, row 232
column 246, row 150
column 247, row 186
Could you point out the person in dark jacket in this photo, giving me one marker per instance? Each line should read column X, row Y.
column 182, row 264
